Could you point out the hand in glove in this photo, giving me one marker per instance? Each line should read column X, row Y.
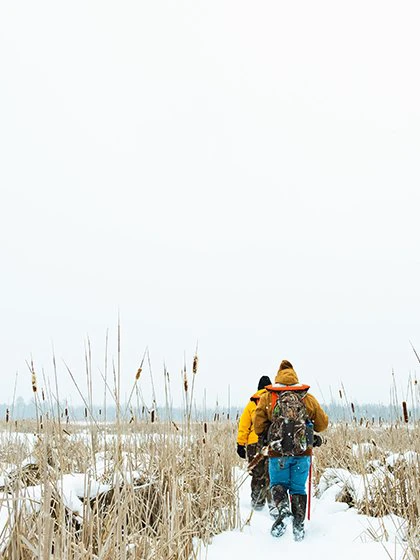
column 317, row 440
column 240, row 450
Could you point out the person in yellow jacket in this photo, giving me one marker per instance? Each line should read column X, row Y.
column 248, row 447
column 285, row 419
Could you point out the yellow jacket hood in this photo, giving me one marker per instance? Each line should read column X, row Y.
column 256, row 396
column 246, row 433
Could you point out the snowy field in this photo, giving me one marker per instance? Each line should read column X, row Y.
column 188, row 495
column 334, row 531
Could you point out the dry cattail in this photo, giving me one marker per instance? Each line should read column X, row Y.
column 195, row 364
column 405, row 412
column 34, row 387
column 339, row 392
column 7, row 415
column 205, row 427
column 352, row 407
column 185, row 382
column 86, row 412
column 66, row 411
column 152, row 416
column 43, row 394
column 138, row 374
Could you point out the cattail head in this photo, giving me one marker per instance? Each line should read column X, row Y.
column 43, row 394
column 405, row 412
column 339, row 392
column 352, row 407
column 195, row 364
column 205, row 427
column 7, row 415
column 138, row 374
column 185, row 381
column 34, row 387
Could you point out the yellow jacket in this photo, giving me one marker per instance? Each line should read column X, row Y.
column 263, row 413
column 246, row 432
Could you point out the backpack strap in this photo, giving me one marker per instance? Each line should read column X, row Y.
column 273, row 399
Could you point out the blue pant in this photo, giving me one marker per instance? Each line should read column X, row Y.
column 289, row 472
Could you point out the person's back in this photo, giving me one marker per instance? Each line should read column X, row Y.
column 248, row 447
column 284, row 419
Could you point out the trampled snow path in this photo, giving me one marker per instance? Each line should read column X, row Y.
column 334, row 531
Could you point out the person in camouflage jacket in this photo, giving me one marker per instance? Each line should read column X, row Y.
column 288, row 472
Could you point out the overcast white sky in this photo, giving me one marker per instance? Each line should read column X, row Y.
column 241, row 174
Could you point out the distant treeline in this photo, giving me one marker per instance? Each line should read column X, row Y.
column 372, row 413
column 337, row 412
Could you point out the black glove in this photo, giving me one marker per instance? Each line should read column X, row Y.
column 317, row 440
column 241, row 451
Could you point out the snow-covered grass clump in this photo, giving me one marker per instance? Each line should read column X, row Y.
column 131, row 490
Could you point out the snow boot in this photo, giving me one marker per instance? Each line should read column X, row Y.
column 257, row 499
column 299, row 511
column 256, row 506
column 272, row 508
column 281, row 502
column 273, row 511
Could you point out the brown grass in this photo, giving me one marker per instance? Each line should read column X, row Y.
column 181, row 488
column 390, row 486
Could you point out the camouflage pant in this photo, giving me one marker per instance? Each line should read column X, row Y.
column 260, row 482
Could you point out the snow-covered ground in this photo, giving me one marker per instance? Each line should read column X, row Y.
column 334, row 531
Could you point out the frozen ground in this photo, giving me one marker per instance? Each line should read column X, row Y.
column 334, row 531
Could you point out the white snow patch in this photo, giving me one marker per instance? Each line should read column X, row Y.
column 72, row 487
column 334, row 531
